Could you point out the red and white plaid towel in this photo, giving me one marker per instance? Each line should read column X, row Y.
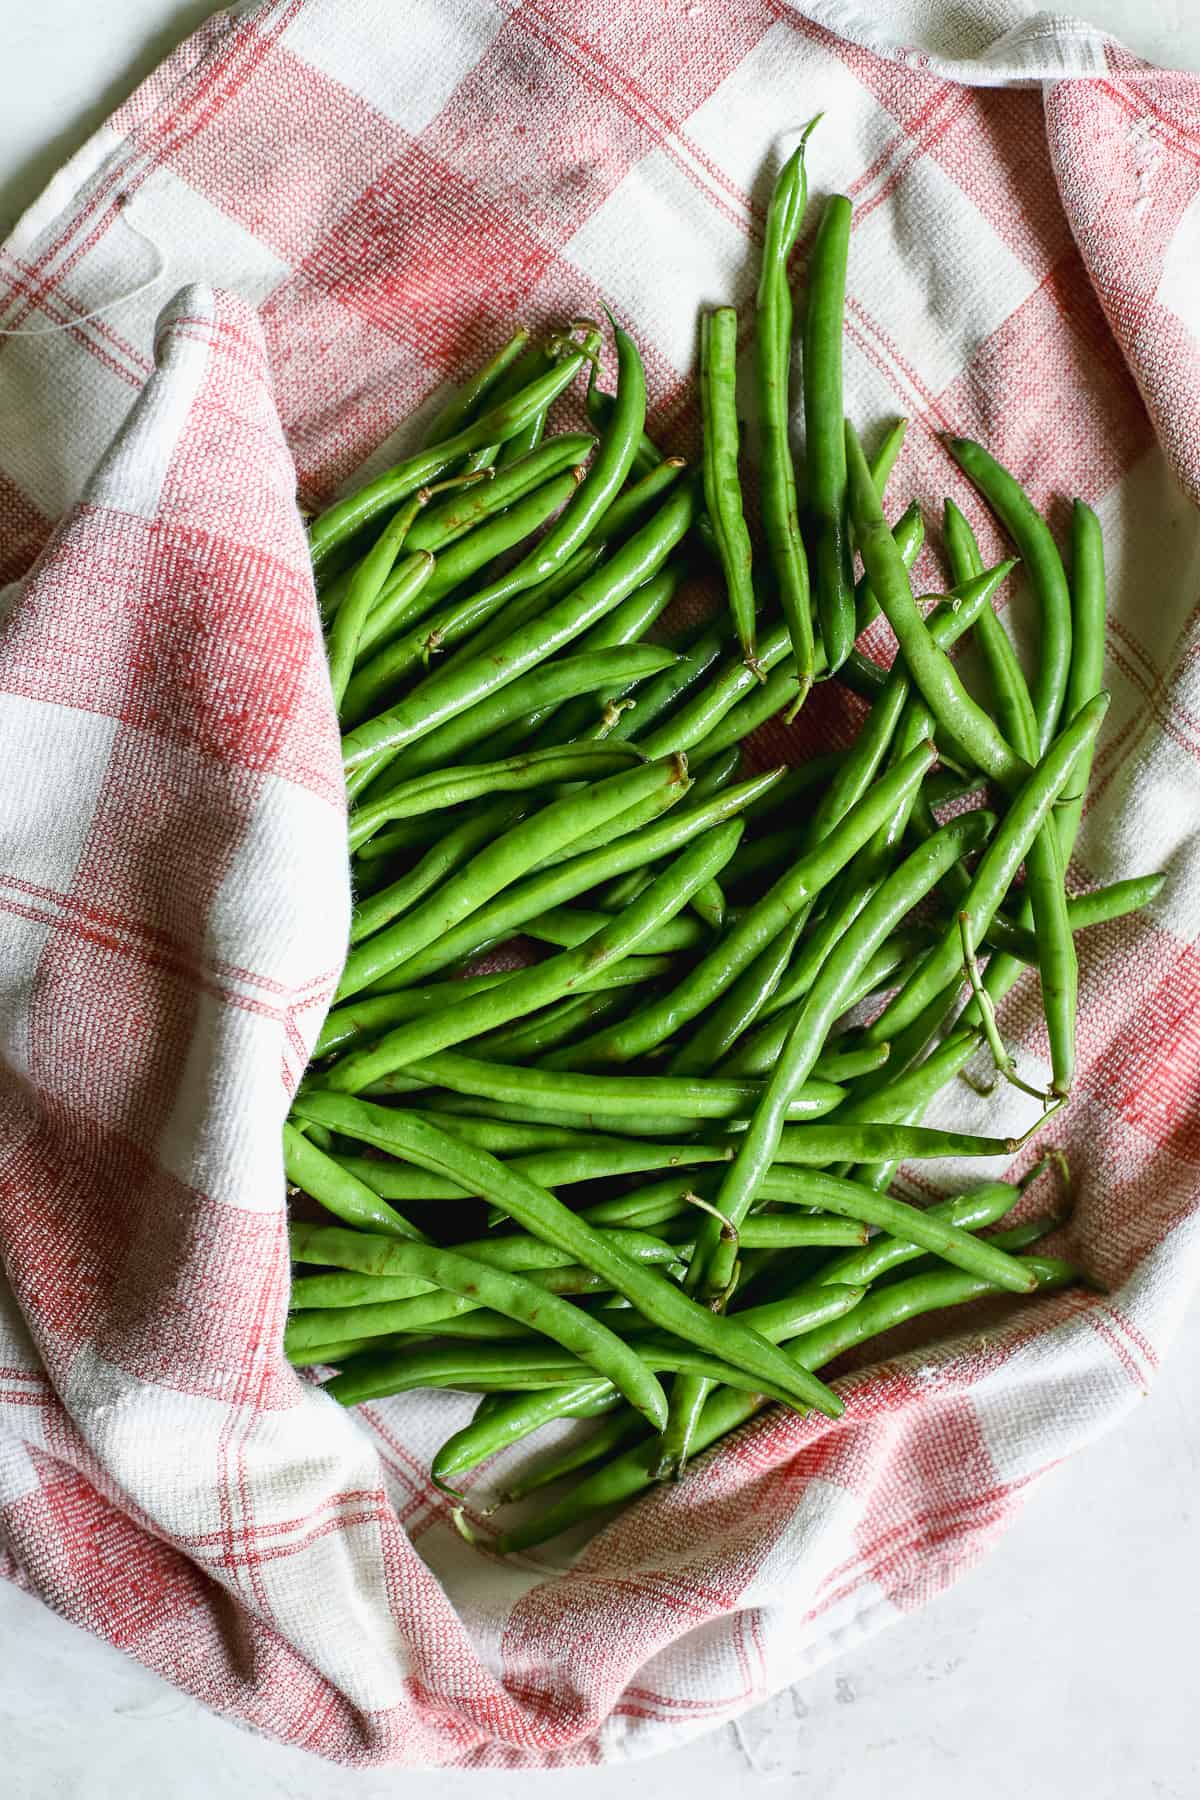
column 388, row 189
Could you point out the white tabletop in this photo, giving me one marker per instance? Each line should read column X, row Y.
column 1064, row 1665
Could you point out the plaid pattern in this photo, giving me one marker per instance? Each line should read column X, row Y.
column 386, row 192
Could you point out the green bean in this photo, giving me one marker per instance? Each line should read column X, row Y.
column 912, row 1089
column 1045, row 888
column 1113, row 901
column 908, row 534
column 1039, row 554
column 684, row 1097
column 824, row 443
column 534, row 363
column 843, row 1065
column 661, row 694
column 365, row 583
column 631, row 821
column 335, row 1307
column 448, row 692
column 781, row 526
column 483, row 732
column 511, row 1137
column 963, row 607
column 451, row 521
column 514, row 1419
column 967, row 1212
column 775, row 1231
column 551, row 980
column 339, row 1191
column 969, row 729
column 397, row 652
column 537, row 1210
column 557, row 1167
column 753, row 931
column 568, row 926
column 496, row 867
column 600, row 486
column 827, row 998
column 636, row 1470
column 646, row 1208
column 909, row 723
column 812, row 1101
column 997, row 867
column 736, row 1010
column 722, row 484
column 1029, row 1231
column 405, row 595
column 566, row 880
column 647, row 456
column 345, row 517
column 451, row 530
column 478, row 625
column 758, row 1052
column 884, row 459
column 451, row 787
column 631, row 620
column 390, row 1371
column 447, row 1315
column 518, row 1298
column 464, row 405
column 736, row 704
column 1088, row 606
column 696, row 721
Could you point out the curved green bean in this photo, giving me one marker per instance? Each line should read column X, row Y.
column 340, row 1191
column 969, row 729
column 537, row 1210
column 504, row 1292
column 1039, row 554
column 1045, row 889
column 637, row 1469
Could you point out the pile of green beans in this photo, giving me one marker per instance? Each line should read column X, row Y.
column 635, row 1173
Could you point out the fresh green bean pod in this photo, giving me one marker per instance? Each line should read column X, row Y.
column 833, row 581
column 1039, row 554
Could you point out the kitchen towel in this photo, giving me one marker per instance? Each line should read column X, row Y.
column 349, row 200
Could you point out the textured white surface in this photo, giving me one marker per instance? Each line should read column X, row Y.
column 1033, row 1672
